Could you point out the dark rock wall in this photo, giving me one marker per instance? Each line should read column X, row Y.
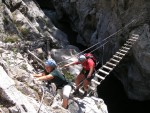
column 95, row 20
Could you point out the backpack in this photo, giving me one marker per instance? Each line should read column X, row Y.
column 90, row 55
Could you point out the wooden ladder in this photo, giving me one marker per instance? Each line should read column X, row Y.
column 105, row 70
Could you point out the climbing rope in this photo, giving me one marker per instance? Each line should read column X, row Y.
column 103, row 41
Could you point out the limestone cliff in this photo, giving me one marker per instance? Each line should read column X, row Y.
column 24, row 26
column 95, row 20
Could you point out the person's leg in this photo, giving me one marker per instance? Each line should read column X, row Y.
column 65, row 103
column 66, row 93
column 85, row 85
column 78, row 83
column 78, row 80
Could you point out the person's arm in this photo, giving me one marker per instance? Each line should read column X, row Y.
column 72, row 63
column 39, row 75
column 45, row 77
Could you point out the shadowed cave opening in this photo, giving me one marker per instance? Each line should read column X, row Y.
column 112, row 92
column 111, row 89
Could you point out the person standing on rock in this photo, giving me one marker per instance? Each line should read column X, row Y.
column 52, row 75
column 86, row 74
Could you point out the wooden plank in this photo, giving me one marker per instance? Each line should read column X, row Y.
column 129, row 45
column 92, row 88
column 134, row 37
column 129, row 42
column 102, row 78
column 81, row 91
column 130, row 39
column 106, row 67
column 96, row 82
column 104, row 72
column 117, row 57
column 123, row 51
column 125, row 48
column 120, row 53
column 109, row 63
column 114, row 60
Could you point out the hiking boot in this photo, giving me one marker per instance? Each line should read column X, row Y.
column 76, row 92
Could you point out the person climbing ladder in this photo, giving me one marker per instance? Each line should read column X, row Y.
column 86, row 74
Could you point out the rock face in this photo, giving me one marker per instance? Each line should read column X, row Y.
column 95, row 20
column 12, row 95
column 91, row 104
column 28, row 22
column 23, row 26
column 137, row 82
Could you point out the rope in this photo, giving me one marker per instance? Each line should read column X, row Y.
column 103, row 55
column 100, row 42
column 41, row 99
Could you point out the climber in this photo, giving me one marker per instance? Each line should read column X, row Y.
column 85, row 75
column 52, row 75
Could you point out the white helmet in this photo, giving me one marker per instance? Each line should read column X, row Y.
column 81, row 58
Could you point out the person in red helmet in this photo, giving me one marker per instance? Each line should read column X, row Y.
column 86, row 74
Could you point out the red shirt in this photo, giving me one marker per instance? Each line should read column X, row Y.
column 89, row 63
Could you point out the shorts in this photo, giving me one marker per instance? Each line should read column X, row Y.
column 85, row 72
column 66, row 91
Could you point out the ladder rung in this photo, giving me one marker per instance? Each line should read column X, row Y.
column 81, row 91
column 98, row 83
column 102, row 78
column 90, row 87
column 127, row 45
column 123, row 51
column 129, row 42
column 109, row 63
column 126, row 48
column 117, row 57
column 120, row 53
column 106, row 67
column 102, row 71
column 114, row 60
column 132, row 39
column 135, row 35
column 74, row 86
